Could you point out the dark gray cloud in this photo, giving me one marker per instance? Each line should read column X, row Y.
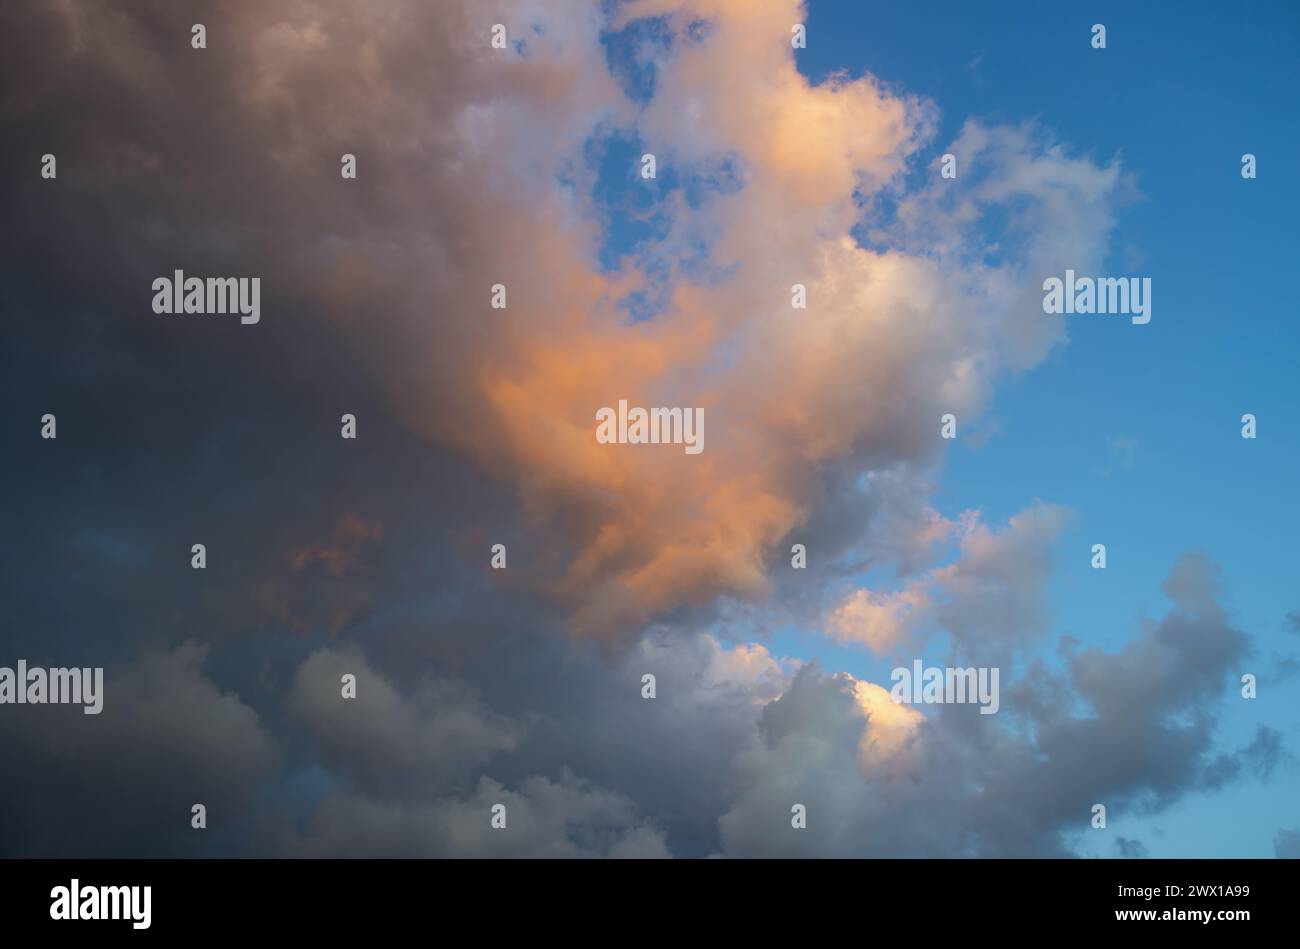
column 124, row 781
column 542, row 818
column 1132, row 849
column 428, row 738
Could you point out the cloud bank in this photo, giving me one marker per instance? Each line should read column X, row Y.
column 477, row 167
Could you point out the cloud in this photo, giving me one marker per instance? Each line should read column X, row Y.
column 544, row 818
column 476, row 427
column 1195, row 583
column 473, row 173
column 1177, row 661
column 995, row 595
column 338, row 557
column 809, row 756
column 1132, row 849
column 992, row 599
column 124, row 780
column 382, row 738
column 881, row 621
column 1257, row 759
column 1132, row 728
column 1286, row 845
column 667, row 760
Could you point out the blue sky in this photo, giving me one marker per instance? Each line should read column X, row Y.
column 1137, row 428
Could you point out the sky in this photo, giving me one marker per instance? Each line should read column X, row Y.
column 1109, row 425
column 521, row 165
